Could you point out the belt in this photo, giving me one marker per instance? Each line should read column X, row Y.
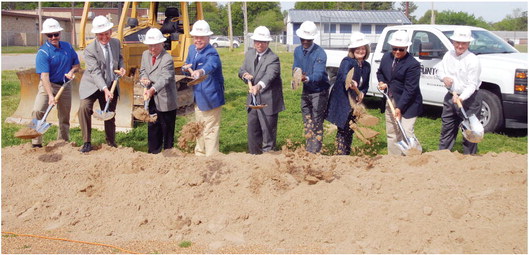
column 58, row 83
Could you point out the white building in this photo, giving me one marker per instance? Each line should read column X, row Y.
column 336, row 25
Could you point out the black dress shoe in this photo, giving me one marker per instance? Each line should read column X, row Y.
column 36, row 146
column 86, row 147
column 112, row 144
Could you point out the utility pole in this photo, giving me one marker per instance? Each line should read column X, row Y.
column 244, row 12
column 230, row 29
column 432, row 20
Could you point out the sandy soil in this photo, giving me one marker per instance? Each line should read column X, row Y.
column 286, row 202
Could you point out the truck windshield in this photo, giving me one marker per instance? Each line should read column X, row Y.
column 486, row 42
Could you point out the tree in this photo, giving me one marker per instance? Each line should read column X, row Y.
column 454, row 18
column 255, row 10
column 412, row 7
column 515, row 22
column 271, row 19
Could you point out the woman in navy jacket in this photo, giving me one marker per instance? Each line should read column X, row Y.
column 339, row 109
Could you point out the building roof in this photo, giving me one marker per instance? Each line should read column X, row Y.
column 348, row 16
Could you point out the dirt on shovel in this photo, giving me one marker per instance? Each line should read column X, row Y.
column 188, row 135
column 142, row 115
column 27, row 133
column 366, row 135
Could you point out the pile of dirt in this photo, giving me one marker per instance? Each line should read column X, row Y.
column 285, row 202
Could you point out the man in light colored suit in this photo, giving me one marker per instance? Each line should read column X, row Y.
column 157, row 74
column 203, row 59
column 261, row 66
column 102, row 56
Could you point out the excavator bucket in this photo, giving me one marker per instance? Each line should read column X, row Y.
column 29, row 81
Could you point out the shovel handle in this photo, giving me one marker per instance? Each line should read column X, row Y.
column 145, row 97
column 458, row 100
column 59, row 93
column 114, row 83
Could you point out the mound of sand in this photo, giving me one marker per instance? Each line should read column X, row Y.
column 290, row 201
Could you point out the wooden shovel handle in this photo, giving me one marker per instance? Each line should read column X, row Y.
column 145, row 97
column 391, row 106
column 59, row 94
column 250, row 85
column 458, row 100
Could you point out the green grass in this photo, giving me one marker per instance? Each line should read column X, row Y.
column 521, row 47
column 185, row 244
column 233, row 131
column 20, row 49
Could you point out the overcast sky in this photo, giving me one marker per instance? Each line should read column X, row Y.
column 491, row 11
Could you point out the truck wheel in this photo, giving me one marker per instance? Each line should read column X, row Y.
column 491, row 111
column 215, row 45
column 235, row 46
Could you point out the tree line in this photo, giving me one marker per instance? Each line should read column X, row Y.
column 269, row 14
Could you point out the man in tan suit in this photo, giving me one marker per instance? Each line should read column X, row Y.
column 157, row 73
column 102, row 56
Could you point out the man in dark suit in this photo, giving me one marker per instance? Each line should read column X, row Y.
column 102, row 56
column 158, row 75
column 261, row 67
column 399, row 72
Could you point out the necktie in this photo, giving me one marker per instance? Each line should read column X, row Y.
column 256, row 61
column 108, row 73
column 305, row 52
column 153, row 60
column 395, row 61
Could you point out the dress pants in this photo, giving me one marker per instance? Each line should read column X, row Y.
column 161, row 132
column 344, row 138
column 452, row 117
column 262, row 131
column 313, row 107
column 208, row 142
column 85, row 116
column 63, row 106
column 393, row 133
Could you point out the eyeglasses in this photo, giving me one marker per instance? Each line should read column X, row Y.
column 52, row 35
column 399, row 49
column 305, row 40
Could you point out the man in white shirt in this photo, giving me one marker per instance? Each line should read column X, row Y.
column 459, row 70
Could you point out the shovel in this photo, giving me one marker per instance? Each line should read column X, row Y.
column 39, row 127
column 359, row 109
column 105, row 114
column 471, row 127
column 197, row 80
column 410, row 145
column 296, row 78
column 254, row 104
column 143, row 113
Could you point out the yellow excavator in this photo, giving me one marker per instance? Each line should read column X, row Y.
column 131, row 28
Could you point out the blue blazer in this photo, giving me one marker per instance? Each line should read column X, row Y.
column 209, row 94
column 339, row 108
column 313, row 65
column 403, row 83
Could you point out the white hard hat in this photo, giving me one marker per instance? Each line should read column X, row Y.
column 261, row 34
column 357, row 39
column 307, row 30
column 400, row 39
column 462, row 34
column 101, row 24
column 50, row 25
column 201, row 28
column 154, row 36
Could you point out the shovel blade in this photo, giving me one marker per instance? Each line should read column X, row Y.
column 410, row 147
column 100, row 115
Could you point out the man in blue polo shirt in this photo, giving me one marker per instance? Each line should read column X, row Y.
column 312, row 60
column 56, row 63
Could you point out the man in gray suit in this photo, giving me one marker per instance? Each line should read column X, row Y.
column 157, row 73
column 102, row 56
column 261, row 67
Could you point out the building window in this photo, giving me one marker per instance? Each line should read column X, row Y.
column 345, row 28
column 379, row 28
column 329, row 28
column 366, row 29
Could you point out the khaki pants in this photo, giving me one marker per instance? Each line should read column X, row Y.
column 208, row 142
column 64, row 105
column 393, row 133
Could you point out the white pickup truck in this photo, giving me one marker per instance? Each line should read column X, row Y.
column 503, row 70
